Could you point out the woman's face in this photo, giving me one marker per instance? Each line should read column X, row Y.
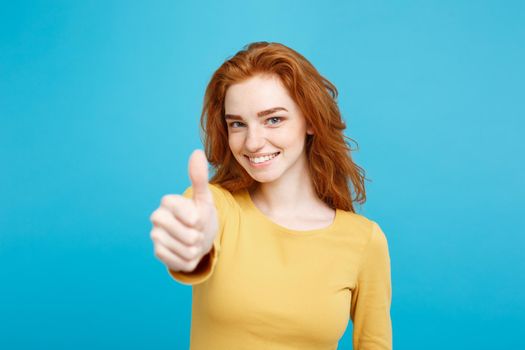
column 266, row 129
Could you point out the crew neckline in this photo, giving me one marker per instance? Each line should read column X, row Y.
column 259, row 213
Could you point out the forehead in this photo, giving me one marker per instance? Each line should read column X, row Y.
column 257, row 93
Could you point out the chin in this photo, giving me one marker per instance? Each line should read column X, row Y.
column 264, row 178
column 261, row 180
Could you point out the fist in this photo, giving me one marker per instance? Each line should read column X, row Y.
column 184, row 228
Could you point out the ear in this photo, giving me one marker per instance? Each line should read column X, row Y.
column 310, row 130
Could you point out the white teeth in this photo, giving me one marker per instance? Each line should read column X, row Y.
column 258, row 160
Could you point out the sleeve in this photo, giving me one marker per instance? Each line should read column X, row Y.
column 205, row 268
column 371, row 298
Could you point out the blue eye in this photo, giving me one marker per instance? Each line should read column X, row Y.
column 273, row 120
column 235, row 124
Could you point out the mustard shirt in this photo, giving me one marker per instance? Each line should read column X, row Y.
column 263, row 286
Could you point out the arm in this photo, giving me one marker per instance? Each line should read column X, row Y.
column 371, row 298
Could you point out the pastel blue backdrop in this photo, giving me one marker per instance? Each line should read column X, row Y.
column 99, row 103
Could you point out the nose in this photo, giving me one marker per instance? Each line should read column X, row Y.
column 255, row 139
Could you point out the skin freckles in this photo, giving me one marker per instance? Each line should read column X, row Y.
column 263, row 120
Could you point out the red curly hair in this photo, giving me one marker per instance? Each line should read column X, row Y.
column 338, row 181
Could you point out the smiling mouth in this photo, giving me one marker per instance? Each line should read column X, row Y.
column 263, row 159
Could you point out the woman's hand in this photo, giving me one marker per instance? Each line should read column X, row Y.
column 184, row 229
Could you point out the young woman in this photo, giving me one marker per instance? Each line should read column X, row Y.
column 276, row 255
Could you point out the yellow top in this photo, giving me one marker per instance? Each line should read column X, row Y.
column 263, row 286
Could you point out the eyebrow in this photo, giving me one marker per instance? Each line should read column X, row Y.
column 259, row 114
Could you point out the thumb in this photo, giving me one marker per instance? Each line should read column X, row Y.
column 198, row 169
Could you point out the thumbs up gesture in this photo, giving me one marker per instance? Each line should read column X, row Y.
column 184, row 229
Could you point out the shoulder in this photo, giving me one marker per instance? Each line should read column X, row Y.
column 220, row 192
column 369, row 239
column 221, row 196
column 363, row 228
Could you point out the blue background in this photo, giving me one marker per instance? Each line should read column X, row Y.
column 99, row 103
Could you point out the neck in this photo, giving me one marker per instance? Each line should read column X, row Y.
column 294, row 193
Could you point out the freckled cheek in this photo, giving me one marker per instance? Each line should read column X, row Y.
column 285, row 139
column 235, row 142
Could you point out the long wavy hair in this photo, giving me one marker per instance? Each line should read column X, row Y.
column 338, row 181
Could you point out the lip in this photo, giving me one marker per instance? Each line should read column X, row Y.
column 263, row 164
